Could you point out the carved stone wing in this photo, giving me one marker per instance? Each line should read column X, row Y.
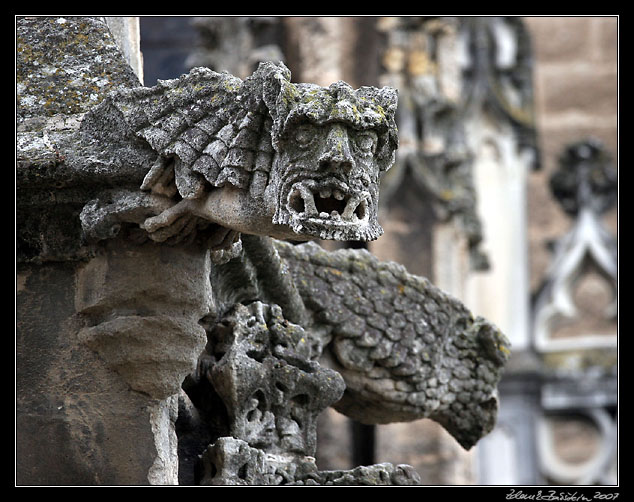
column 406, row 349
column 213, row 125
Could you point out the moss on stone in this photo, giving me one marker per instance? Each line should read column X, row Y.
column 66, row 65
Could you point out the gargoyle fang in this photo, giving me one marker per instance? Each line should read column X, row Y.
column 309, row 201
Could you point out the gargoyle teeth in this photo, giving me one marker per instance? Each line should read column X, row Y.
column 301, row 200
column 356, row 207
column 310, row 200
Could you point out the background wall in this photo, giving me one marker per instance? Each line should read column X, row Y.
column 575, row 79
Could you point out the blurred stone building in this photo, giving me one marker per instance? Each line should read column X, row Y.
column 576, row 100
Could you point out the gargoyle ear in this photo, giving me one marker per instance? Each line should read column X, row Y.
column 388, row 97
column 278, row 93
column 274, row 76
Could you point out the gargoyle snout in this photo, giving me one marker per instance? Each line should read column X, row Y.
column 337, row 154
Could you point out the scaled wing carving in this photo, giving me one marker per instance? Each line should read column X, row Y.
column 406, row 349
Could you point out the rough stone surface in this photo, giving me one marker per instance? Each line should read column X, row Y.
column 265, row 371
column 131, row 317
column 406, row 349
column 70, row 407
column 231, row 461
column 291, row 160
column 78, row 422
column 65, row 66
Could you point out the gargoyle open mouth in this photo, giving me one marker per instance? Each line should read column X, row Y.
column 331, row 202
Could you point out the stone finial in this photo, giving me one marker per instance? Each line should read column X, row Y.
column 266, row 374
column 264, row 370
column 585, row 178
column 585, row 185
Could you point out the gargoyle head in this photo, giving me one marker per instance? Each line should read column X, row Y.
column 262, row 156
column 331, row 146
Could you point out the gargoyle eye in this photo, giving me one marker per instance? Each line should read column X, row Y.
column 304, row 136
column 366, row 141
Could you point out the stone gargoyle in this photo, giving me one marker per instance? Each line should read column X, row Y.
column 243, row 166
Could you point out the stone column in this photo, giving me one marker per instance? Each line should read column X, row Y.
column 126, row 33
column 105, row 333
column 102, row 347
column 320, row 48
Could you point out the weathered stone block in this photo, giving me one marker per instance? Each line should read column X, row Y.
column 561, row 39
column 135, row 322
column 77, row 422
column 592, row 93
column 66, row 65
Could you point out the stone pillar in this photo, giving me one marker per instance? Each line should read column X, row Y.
column 103, row 347
column 500, row 177
column 102, row 341
column 77, row 422
column 319, row 48
column 500, row 130
column 126, row 33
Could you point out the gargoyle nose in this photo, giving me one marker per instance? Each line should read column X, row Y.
column 337, row 154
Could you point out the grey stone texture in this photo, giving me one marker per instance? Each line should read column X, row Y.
column 265, row 371
column 146, row 263
column 135, row 322
column 65, row 66
column 406, row 349
column 231, row 461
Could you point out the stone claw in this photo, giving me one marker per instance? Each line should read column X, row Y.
column 167, row 217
